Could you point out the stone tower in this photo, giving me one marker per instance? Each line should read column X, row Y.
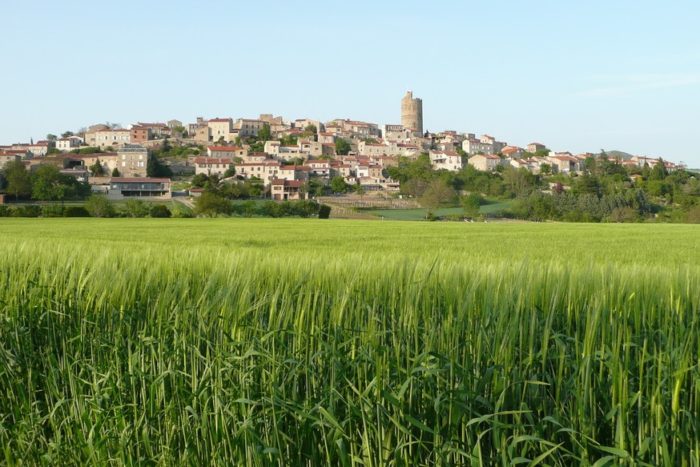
column 412, row 113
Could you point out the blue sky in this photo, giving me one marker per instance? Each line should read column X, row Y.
column 574, row 75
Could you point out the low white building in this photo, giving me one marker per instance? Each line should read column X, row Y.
column 446, row 160
column 68, row 144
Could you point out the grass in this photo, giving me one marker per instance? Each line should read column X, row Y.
column 417, row 214
column 307, row 342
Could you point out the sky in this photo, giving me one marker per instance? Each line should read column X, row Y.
column 576, row 76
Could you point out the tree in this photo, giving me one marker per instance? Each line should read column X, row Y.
column 115, row 172
column 519, row 181
column 180, row 130
column 19, row 181
column 51, row 137
column 265, row 134
column 414, row 187
column 471, row 205
column 338, row 185
column 587, row 184
column 659, row 171
column 211, row 204
column 67, row 134
column 230, row 172
column 96, row 169
column 136, row 208
column 49, row 185
column 342, row 147
column 99, row 206
column 199, row 180
column 311, row 130
column 154, row 168
column 436, row 194
column 289, row 140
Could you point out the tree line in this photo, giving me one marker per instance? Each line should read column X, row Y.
column 604, row 191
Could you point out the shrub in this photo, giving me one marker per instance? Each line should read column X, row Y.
column 181, row 211
column 52, row 210
column 324, row 211
column 160, row 210
column 75, row 211
column 26, row 211
column 211, row 205
column 136, row 208
column 99, row 206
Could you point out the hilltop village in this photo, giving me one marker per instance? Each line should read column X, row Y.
column 278, row 159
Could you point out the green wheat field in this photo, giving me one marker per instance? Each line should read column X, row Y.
column 310, row 342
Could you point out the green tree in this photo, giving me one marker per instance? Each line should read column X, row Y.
column 154, row 168
column 100, row 206
column 180, row 130
column 18, row 179
column 211, row 204
column 96, row 169
column 51, row 137
column 338, row 185
column 659, row 172
column 48, row 184
column 136, row 208
column 519, row 182
column 342, row 147
column 116, row 173
column 311, row 130
column 199, row 180
column 587, row 184
column 436, row 194
column 265, row 134
column 472, row 204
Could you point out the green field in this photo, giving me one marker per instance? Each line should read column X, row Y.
column 311, row 342
column 418, row 214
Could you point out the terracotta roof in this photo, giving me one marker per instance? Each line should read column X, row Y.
column 212, row 160
column 290, row 183
column 224, row 148
column 566, row 158
column 294, row 167
column 266, row 163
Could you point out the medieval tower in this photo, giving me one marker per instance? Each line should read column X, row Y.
column 412, row 113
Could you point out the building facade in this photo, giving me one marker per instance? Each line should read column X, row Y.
column 132, row 161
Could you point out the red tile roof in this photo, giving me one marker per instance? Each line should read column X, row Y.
column 212, row 160
column 224, row 148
